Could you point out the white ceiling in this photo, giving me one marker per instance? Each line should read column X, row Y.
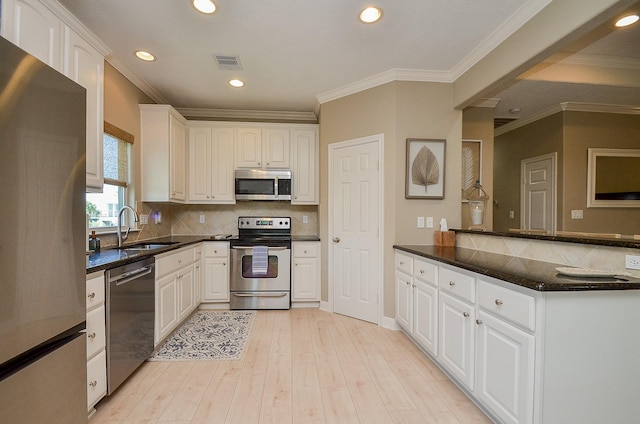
column 297, row 52
column 293, row 50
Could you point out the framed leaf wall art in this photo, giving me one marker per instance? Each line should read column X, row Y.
column 425, row 169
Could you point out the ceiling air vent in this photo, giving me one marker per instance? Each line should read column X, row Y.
column 498, row 122
column 228, row 62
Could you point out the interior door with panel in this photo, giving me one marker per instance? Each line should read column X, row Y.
column 355, row 203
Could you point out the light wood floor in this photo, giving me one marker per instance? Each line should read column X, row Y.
column 299, row 366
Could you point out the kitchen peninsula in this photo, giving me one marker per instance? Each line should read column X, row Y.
column 527, row 344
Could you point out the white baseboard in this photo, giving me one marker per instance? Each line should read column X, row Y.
column 389, row 324
column 214, row 306
column 325, row 306
column 296, row 305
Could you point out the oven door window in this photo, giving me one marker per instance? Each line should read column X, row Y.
column 272, row 268
column 255, row 186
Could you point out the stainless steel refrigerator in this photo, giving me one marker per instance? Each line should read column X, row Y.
column 42, row 243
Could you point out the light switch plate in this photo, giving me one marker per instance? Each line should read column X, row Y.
column 576, row 214
column 421, row 222
column 305, row 219
column 201, row 218
column 429, row 222
column 144, row 219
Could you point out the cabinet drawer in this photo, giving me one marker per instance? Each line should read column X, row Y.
column 511, row 305
column 174, row 261
column 96, row 379
column 305, row 250
column 216, row 250
column 95, row 291
column 425, row 271
column 95, row 331
column 404, row 263
column 458, row 284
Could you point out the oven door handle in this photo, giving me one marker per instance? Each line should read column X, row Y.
column 251, row 247
column 259, row 294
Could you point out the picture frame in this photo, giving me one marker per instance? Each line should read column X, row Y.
column 471, row 165
column 425, row 169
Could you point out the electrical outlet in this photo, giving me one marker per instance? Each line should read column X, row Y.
column 305, row 219
column 157, row 217
column 429, row 222
column 632, row 262
column 421, row 222
column 512, row 214
column 577, row 214
column 201, row 218
column 144, row 219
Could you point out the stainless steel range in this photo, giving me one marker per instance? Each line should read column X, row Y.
column 261, row 264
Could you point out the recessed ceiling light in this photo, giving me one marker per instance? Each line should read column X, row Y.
column 146, row 56
column 627, row 20
column 236, row 83
column 204, row 6
column 370, row 15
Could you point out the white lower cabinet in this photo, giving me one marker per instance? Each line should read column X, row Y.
column 215, row 287
column 96, row 338
column 477, row 329
column 505, row 358
column 176, row 294
column 305, row 271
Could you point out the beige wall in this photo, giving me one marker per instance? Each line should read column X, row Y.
column 605, row 130
column 398, row 110
column 477, row 124
column 538, row 138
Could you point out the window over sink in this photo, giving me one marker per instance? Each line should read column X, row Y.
column 103, row 208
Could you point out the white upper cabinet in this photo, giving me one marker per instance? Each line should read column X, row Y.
column 304, row 166
column 277, row 148
column 85, row 65
column 248, row 148
column 34, row 28
column 163, row 154
column 210, row 165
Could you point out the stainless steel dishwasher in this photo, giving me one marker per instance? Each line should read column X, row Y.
column 130, row 319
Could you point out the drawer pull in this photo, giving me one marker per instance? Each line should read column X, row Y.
column 452, row 283
column 91, row 295
column 401, row 263
column 479, row 321
column 465, row 314
column 422, row 271
column 94, row 383
column 498, row 302
column 92, row 335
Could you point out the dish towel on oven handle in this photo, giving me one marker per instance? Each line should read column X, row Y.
column 260, row 261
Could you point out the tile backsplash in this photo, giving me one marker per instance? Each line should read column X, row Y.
column 571, row 254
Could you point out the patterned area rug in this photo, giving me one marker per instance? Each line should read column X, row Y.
column 208, row 336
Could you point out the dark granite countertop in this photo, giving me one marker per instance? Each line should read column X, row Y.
column 534, row 275
column 111, row 257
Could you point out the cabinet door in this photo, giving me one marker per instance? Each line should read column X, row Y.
column 85, row 65
column 304, row 165
column 248, row 148
column 216, row 279
column 277, row 148
column 197, row 282
column 222, row 181
column 95, row 331
column 404, row 302
column 34, row 28
column 200, row 164
column 166, row 306
column 505, row 365
column 425, row 311
column 186, row 292
column 178, row 155
column 305, row 284
column 456, row 338
column 96, row 379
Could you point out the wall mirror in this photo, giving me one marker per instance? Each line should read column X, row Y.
column 613, row 178
column 567, row 96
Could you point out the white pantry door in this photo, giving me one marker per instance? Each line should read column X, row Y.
column 538, row 196
column 354, row 203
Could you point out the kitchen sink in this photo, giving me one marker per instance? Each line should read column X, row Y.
column 146, row 246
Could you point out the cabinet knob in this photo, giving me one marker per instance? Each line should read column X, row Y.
column 452, row 283
column 336, row 239
column 422, row 271
column 92, row 335
column 224, row 264
column 94, row 383
column 258, row 163
column 267, row 163
column 479, row 321
column 91, row 295
column 213, row 197
column 498, row 302
column 465, row 314
column 305, row 251
column 401, row 263
column 413, row 285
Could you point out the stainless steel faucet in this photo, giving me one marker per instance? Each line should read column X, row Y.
column 122, row 238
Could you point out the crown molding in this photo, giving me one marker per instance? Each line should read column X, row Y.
column 248, row 115
column 604, row 61
column 567, row 107
column 396, row 74
column 136, row 80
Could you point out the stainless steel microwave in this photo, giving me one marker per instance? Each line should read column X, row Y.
column 257, row 184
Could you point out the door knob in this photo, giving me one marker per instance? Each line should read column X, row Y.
column 336, row 239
